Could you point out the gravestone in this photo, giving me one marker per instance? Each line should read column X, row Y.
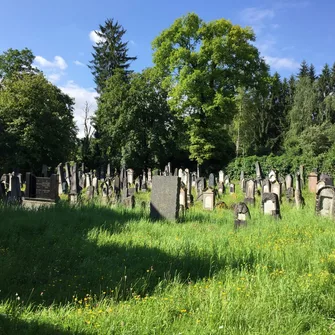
column 243, row 185
column 312, row 182
column 15, row 195
column 242, row 214
column 289, row 181
column 250, row 192
column 117, row 185
column 241, row 176
column 169, row 168
column 325, row 201
column 67, row 174
column 88, row 179
column 327, row 179
column 194, row 179
column 150, row 178
column 40, row 190
column 44, row 170
column 272, row 176
column 165, row 194
column 108, row 172
column 259, row 174
column 232, row 188
column 95, row 184
column 200, row 186
column 266, row 186
column 270, row 205
column 74, row 182
column 320, row 184
column 226, row 181
column 276, row 188
column 129, row 202
column 290, row 194
column 211, row 181
column 221, row 176
column 299, row 200
column 130, row 176
column 105, row 192
column 182, row 199
column 220, row 188
column 61, row 179
column 302, row 176
column 208, row 199
column 90, row 192
column 180, row 174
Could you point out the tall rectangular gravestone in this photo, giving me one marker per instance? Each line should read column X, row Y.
column 165, row 194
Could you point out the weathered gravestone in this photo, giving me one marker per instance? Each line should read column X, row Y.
column 325, row 201
column 221, row 176
column 74, row 182
column 182, row 198
column 208, row 199
column 299, row 200
column 220, row 188
column 211, row 181
column 327, row 179
column 288, row 181
column 276, row 188
column 226, row 181
column 266, row 186
column 61, row 179
column 312, row 182
column 15, row 196
column 150, row 178
column 200, row 186
column 129, row 202
column 130, row 176
column 259, row 174
column 90, row 192
column 105, row 192
column 270, row 205
column 250, row 192
column 273, row 176
column 165, row 194
column 232, row 188
column 242, row 214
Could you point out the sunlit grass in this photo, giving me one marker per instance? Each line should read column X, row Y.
column 97, row 270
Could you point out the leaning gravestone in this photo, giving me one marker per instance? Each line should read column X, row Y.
column 164, row 202
column 259, row 175
column 270, row 204
column 325, row 201
column 242, row 214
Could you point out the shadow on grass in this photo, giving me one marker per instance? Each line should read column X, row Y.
column 56, row 256
column 10, row 326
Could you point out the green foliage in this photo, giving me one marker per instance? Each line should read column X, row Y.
column 134, row 122
column 15, row 62
column 110, row 53
column 37, row 123
column 202, row 65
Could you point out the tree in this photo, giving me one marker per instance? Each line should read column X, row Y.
column 37, row 121
column 134, row 121
column 110, row 53
column 311, row 73
column 304, row 69
column 203, row 64
column 15, row 61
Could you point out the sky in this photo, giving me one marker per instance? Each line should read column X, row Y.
column 61, row 34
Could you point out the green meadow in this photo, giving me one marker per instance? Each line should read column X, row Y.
column 92, row 269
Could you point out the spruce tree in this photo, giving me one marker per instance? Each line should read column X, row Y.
column 311, row 73
column 110, row 53
column 304, row 69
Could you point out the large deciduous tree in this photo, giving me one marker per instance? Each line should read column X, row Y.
column 110, row 53
column 133, row 120
column 36, row 120
column 203, row 64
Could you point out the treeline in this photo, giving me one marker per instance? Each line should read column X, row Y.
column 208, row 99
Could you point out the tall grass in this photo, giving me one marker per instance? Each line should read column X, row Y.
column 96, row 270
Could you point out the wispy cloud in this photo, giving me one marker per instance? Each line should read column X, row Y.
column 78, row 63
column 291, row 4
column 58, row 62
column 282, row 63
column 256, row 17
column 132, row 42
column 94, row 37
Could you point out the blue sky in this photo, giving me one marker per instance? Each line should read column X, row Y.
column 60, row 33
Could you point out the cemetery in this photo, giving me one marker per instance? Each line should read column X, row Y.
column 193, row 196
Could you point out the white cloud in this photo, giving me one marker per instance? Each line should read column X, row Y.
column 78, row 63
column 57, row 63
column 279, row 63
column 81, row 95
column 132, row 42
column 94, row 37
column 54, row 77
